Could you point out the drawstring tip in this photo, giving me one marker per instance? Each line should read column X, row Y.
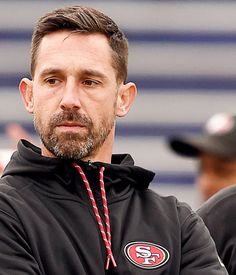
column 108, row 262
column 110, row 257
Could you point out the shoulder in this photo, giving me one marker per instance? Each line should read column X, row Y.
column 218, row 214
column 178, row 219
column 170, row 206
column 13, row 184
column 220, row 206
column 12, row 193
column 219, row 210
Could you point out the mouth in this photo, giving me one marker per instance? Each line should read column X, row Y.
column 70, row 126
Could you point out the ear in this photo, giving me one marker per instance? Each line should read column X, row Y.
column 126, row 95
column 26, row 90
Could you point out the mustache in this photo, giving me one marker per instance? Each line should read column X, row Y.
column 70, row 116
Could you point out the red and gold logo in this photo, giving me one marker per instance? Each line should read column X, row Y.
column 146, row 255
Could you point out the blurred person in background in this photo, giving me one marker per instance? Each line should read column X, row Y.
column 2, row 162
column 216, row 180
column 218, row 213
column 215, row 151
column 14, row 133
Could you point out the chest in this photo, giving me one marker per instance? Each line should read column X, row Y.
column 65, row 239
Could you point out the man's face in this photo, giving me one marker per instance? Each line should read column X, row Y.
column 74, row 95
column 214, row 174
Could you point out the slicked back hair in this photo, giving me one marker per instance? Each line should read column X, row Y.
column 83, row 20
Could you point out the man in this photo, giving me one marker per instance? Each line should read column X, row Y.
column 216, row 152
column 71, row 207
column 219, row 216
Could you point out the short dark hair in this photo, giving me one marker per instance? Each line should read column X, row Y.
column 83, row 20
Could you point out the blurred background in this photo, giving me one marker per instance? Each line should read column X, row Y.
column 182, row 58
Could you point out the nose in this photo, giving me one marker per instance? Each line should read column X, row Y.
column 70, row 96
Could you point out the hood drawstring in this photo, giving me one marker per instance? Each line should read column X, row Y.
column 106, row 236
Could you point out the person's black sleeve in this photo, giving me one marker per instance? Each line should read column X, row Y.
column 199, row 255
column 15, row 253
column 218, row 214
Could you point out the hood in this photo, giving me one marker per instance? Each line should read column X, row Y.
column 102, row 181
column 27, row 160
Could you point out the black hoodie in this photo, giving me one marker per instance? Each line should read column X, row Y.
column 48, row 225
column 219, row 217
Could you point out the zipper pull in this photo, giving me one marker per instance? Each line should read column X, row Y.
column 91, row 165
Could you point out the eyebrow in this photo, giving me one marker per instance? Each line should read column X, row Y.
column 91, row 72
column 50, row 71
column 83, row 72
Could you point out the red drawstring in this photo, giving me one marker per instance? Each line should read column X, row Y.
column 105, row 235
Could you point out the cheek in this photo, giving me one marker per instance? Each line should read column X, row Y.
column 209, row 185
column 103, row 109
column 232, row 177
column 206, row 183
column 42, row 111
column 45, row 100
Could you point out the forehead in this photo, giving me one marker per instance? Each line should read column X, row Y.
column 66, row 48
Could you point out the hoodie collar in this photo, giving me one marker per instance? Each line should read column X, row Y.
column 28, row 160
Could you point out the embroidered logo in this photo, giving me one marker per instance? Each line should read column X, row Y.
column 146, row 255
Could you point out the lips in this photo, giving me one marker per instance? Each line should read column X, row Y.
column 70, row 124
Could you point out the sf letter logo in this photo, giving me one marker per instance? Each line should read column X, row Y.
column 146, row 255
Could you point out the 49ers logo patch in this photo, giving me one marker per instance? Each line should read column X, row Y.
column 146, row 255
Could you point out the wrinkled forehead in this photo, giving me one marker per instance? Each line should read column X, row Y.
column 76, row 48
column 73, row 41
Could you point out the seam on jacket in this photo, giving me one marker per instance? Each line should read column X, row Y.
column 194, row 223
column 7, row 214
column 13, row 189
column 191, row 214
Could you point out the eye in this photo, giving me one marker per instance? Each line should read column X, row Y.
column 90, row 82
column 52, row 81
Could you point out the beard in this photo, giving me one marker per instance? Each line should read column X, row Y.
column 70, row 145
